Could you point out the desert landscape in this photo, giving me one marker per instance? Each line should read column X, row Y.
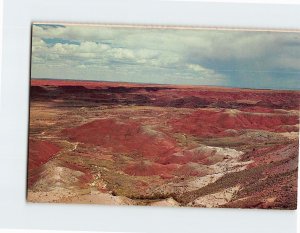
column 162, row 145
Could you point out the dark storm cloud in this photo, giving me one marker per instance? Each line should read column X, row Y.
column 250, row 59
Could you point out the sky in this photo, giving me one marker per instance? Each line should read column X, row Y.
column 231, row 58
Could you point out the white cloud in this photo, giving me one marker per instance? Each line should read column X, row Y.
column 187, row 54
column 199, row 68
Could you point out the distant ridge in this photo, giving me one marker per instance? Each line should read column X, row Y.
column 96, row 83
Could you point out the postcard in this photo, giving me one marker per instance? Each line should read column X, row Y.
column 164, row 116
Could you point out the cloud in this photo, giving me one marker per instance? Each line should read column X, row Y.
column 207, row 57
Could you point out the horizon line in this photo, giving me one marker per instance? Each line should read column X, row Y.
column 166, row 84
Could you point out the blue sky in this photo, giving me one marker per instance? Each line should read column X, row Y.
column 247, row 59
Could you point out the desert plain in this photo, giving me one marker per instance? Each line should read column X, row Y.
column 162, row 145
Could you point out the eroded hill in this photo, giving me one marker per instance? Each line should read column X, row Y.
column 131, row 144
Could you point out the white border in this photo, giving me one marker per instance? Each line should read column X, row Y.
column 179, row 27
column 245, row 1
column 16, row 213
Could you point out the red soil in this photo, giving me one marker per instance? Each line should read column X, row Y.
column 84, row 179
column 41, row 152
column 209, row 91
column 212, row 123
column 258, row 109
column 122, row 145
column 178, row 95
column 121, row 138
column 89, row 84
column 151, row 169
column 273, row 154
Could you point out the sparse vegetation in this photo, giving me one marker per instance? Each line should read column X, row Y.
column 131, row 144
